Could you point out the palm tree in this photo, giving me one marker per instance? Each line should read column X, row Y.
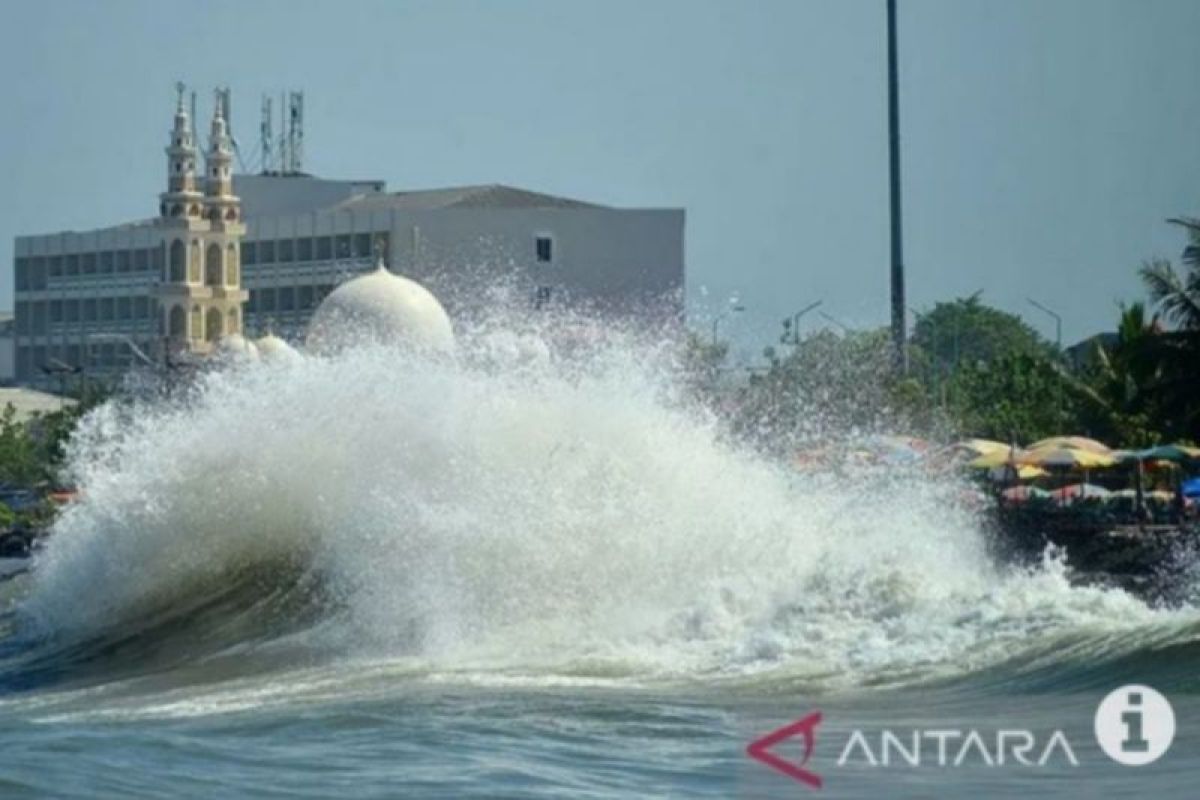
column 1178, row 296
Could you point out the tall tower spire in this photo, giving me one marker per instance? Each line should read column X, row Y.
column 182, row 199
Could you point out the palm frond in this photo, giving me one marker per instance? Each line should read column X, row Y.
column 1178, row 299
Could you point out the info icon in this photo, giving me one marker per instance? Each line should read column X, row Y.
column 1135, row 725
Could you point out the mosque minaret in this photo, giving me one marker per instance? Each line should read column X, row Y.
column 199, row 293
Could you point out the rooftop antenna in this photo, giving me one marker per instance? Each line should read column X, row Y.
column 264, row 131
column 283, row 140
column 295, row 132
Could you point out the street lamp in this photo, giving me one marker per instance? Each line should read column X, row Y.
column 721, row 316
column 793, row 323
column 1057, row 321
column 1057, row 340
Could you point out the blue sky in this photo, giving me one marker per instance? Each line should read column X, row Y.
column 1044, row 141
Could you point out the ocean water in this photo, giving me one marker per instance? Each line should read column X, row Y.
column 518, row 574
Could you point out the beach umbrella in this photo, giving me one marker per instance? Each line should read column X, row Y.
column 1072, row 443
column 1066, row 458
column 1175, row 453
column 998, row 458
column 1025, row 472
column 981, row 447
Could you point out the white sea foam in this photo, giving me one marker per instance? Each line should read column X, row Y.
column 525, row 516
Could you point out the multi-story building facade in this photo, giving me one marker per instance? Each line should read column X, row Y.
column 232, row 253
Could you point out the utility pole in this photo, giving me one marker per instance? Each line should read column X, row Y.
column 900, row 351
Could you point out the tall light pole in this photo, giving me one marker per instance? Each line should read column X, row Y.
column 721, row 316
column 793, row 322
column 1057, row 341
column 1057, row 321
column 900, row 351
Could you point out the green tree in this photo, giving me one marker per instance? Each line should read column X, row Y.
column 1014, row 396
column 1177, row 297
column 1121, row 399
column 965, row 330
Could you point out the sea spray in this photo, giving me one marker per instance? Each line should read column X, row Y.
column 517, row 511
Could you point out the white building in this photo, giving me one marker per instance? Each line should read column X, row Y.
column 86, row 299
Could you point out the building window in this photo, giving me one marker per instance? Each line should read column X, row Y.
column 249, row 253
column 304, row 249
column 21, row 311
column 362, row 245
column 72, row 264
column 343, row 245
column 544, row 246
column 141, row 307
column 178, row 268
column 305, row 298
column 56, row 311
column 542, row 296
column 56, row 266
column 287, row 299
column 266, row 300
column 106, row 261
column 71, row 310
column 89, row 264
column 124, row 308
column 252, row 302
column 89, row 309
column 287, row 251
column 141, row 260
column 324, row 248
column 266, row 252
column 22, row 274
column 106, row 308
column 212, row 266
column 123, row 261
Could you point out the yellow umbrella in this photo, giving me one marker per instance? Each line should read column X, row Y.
column 998, row 458
column 1066, row 457
column 1072, row 443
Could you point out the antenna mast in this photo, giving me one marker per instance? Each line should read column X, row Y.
column 267, row 138
column 295, row 132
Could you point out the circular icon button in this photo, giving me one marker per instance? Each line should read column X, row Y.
column 1135, row 725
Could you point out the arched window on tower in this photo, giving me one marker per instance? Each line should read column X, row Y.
column 212, row 266
column 231, row 265
column 177, row 325
column 178, row 271
column 213, row 325
column 194, row 262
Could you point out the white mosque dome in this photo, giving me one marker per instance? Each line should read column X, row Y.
column 273, row 348
column 381, row 307
column 234, row 345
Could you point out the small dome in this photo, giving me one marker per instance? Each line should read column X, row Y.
column 380, row 307
column 235, row 345
column 272, row 348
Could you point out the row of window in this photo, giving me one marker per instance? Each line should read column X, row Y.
column 286, row 298
column 32, row 272
column 35, row 317
column 55, row 359
column 314, row 248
